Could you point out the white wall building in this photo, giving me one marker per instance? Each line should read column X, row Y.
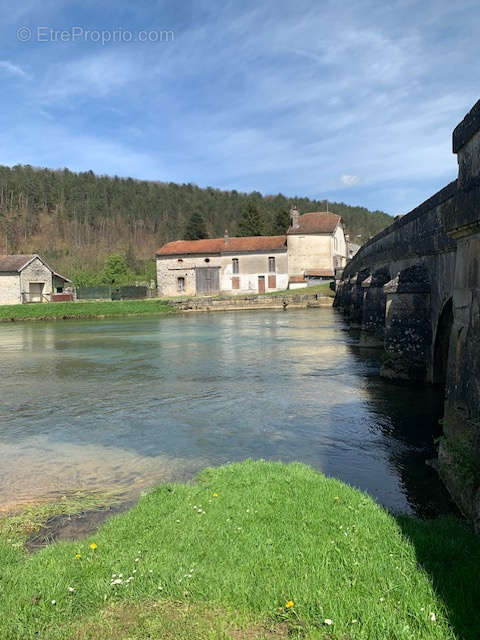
column 310, row 252
column 237, row 265
column 316, row 247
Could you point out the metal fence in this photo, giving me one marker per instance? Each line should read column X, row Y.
column 129, row 293
column 99, row 292
column 113, row 293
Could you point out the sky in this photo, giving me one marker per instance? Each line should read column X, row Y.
column 352, row 101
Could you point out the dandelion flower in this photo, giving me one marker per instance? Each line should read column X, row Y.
column 215, row 495
column 337, row 498
column 93, row 546
column 289, row 604
column 78, row 556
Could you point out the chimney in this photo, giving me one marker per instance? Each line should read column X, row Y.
column 294, row 215
column 225, row 236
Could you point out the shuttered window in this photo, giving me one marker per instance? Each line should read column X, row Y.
column 272, row 282
column 235, row 265
column 271, row 265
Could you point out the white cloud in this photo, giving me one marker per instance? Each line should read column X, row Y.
column 12, row 69
column 90, row 76
column 349, row 181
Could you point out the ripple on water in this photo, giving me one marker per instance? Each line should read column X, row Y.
column 124, row 404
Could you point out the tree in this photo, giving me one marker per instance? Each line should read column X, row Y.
column 130, row 258
column 251, row 223
column 115, row 271
column 281, row 222
column 195, row 228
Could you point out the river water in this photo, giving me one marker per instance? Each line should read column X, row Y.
column 127, row 403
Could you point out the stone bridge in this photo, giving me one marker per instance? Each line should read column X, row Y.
column 414, row 290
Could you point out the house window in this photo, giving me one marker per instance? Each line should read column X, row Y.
column 271, row 265
column 58, row 289
column 180, row 284
column 235, row 282
column 235, row 265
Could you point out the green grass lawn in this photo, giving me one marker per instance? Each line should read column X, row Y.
column 68, row 310
column 251, row 550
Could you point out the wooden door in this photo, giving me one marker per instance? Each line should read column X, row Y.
column 36, row 291
column 207, row 280
column 261, row 284
column 272, row 282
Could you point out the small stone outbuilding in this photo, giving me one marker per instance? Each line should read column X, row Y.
column 28, row 278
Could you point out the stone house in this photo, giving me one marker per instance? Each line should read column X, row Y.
column 28, row 278
column 316, row 246
column 238, row 265
column 312, row 249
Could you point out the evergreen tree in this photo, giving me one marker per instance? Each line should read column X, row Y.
column 251, row 223
column 195, row 228
column 281, row 222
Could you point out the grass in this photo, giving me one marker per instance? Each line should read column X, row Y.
column 223, row 557
column 73, row 310
column 16, row 529
column 111, row 308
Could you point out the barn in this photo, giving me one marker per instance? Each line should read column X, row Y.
column 28, row 278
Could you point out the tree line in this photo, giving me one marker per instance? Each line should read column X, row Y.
column 77, row 219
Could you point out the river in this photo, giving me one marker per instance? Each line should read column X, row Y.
column 127, row 403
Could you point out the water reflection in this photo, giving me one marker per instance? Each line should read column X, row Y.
column 127, row 403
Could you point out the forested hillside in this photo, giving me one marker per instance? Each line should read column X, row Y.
column 76, row 219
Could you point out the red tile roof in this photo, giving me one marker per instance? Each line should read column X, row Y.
column 316, row 222
column 296, row 279
column 320, row 272
column 14, row 263
column 222, row 245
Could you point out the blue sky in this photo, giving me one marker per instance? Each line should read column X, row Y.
column 345, row 100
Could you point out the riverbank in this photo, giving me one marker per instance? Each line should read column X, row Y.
column 155, row 306
column 83, row 310
column 255, row 302
column 251, row 550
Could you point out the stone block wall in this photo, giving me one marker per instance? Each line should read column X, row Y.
column 431, row 258
column 10, row 288
column 36, row 272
